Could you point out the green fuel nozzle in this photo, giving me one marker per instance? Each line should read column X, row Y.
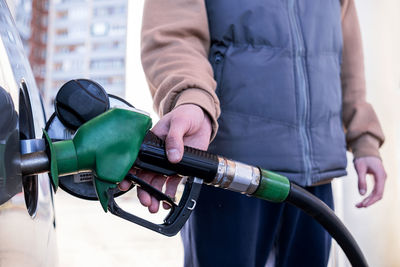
column 107, row 145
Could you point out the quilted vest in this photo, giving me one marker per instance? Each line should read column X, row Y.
column 277, row 67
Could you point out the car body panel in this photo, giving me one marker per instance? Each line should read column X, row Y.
column 27, row 220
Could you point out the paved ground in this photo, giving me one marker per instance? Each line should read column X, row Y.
column 89, row 237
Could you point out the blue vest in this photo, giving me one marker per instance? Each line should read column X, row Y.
column 277, row 67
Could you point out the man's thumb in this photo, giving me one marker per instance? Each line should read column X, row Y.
column 174, row 155
column 174, row 141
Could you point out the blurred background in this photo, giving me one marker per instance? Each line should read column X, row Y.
column 100, row 40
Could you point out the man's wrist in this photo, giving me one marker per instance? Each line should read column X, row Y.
column 366, row 146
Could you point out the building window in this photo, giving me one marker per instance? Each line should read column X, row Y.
column 72, row 65
column 105, row 11
column 62, row 14
column 43, row 54
column 100, row 29
column 104, row 64
column 69, row 49
column 78, row 13
column 57, row 66
column 39, row 54
column 118, row 29
column 62, row 32
column 72, row 32
column 117, row 80
column 45, row 21
column 44, row 38
column 78, row 31
column 103, row 46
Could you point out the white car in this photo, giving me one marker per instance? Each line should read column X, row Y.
column 27, row 220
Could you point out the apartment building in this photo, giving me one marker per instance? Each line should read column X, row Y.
column 86, row 39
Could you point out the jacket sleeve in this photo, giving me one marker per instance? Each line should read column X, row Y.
column 364, row 135
column 175, row 43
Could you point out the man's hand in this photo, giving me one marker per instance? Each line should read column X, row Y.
column 185, row 125
column 370, row 165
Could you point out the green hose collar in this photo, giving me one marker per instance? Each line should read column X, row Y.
column 67, row 161
column 273, row 187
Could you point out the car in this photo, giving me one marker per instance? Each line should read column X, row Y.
column 27, row 217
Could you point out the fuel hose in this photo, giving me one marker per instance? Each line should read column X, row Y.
column 318, row 210
column 277, row 188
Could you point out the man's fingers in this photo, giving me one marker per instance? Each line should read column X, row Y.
column 174, row 140
column 379, row 188
column 170, row 188
column 172, row 184
column 124, row 185
column 143, row 196
column 361, row 169
column 161, row 128
column 157, row 183
column 368, row 201
column 377, row 192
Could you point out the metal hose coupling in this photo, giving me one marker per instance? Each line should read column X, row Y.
column 236, row 176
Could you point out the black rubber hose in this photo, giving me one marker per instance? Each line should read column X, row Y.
column 318, row 210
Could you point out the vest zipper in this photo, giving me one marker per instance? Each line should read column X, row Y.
column 299, row 52
column 218, row 65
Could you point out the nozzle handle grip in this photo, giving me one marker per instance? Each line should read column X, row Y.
column 175, row 219
column 152, row 156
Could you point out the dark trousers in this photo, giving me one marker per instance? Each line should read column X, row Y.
column 230, row 229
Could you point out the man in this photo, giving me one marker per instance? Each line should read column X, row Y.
column 285, row 76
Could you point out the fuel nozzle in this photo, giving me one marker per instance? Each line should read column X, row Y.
column 107, row 145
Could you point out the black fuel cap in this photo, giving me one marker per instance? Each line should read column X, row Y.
column 80, row 100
